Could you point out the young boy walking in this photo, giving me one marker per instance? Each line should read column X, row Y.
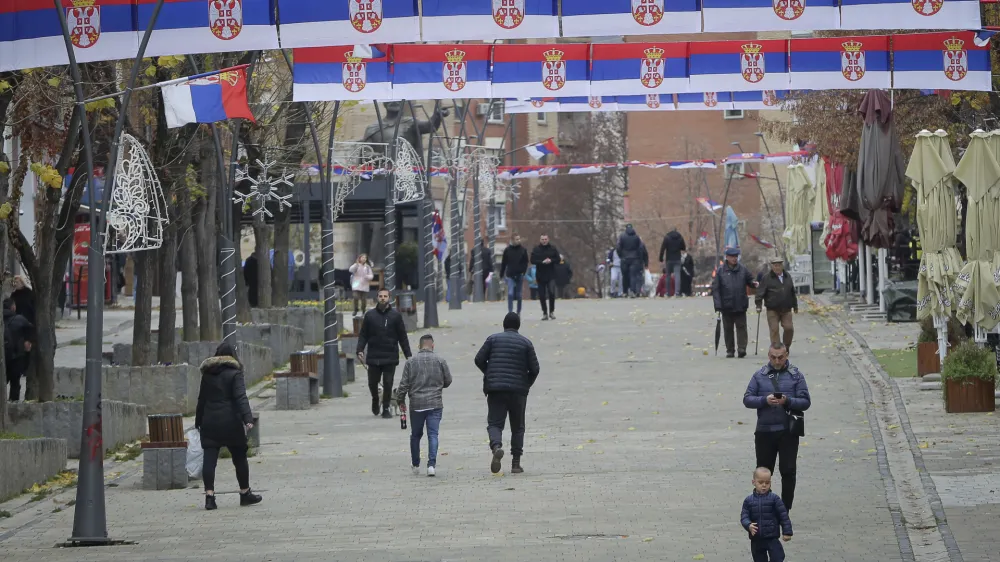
column 764, row 516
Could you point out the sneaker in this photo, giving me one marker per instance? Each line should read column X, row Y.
column 375, row 406
column 416, row 470
column 249, row 498
column 552, row 316
column 545, row 317
column 386, row 414
column 430, row 471
column 210, row 503
column 495, row 463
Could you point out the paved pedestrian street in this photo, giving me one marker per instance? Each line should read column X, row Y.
column 638, row 447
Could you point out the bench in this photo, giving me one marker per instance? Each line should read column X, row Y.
column 164, row 456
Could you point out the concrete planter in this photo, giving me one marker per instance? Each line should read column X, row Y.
column 164, row 468
column 308, row 318
column 163, row 389
column 257, row 359
column 282, row 340
column 26, row 462
column 122, row 422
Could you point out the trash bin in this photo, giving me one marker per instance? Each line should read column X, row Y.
column 406, row 304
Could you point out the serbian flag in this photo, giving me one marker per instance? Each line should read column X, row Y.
column 639, row 68
column 587, row 18
column 440, row 240
column 693, row 165
column 841, row 63
column 761, row 241
column 910, row 14
column 31, row 35
column 710, row 205
column 440, row 72
column 489, row 20
column 533, row 105
column 739, row 66
column 946, row 61
column 580, row 170
column 704, row 101
column 319, row 23
column 336, row 73
column 593, row 104
column 189, row 26
column 207, row 99
column 542, row 149
column 522, row 71
column 756, row 101
column 771, row 15
column 648, row 102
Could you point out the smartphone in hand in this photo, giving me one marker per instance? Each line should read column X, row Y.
column 779, row 395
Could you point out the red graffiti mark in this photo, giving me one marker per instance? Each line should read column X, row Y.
column 95, row 443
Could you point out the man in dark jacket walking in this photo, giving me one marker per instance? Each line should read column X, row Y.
column 765, row 518
column 382, row 331
column 670, row 255
column 18, row 335
column 777, row 293
column 513, row 266
column 630, row 250
column 729, row 291
column 779, row 393
column 544, row 257
column 509, row 367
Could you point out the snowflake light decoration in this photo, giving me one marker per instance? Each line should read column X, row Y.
column 409, row 180
column 363, row 161
column 137, row 209
column 264, row 188
column 485, row 167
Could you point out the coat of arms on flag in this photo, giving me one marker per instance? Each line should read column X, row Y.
column 927, row 7
column 538, row 103
column 354, row 72
column 711, row 99
column 225, row 18
column 653, row 101
column 852, row 60
column 366, row 15
column 956, row 59
column 455, row 70
column 648, row 12
column 508, row 13
column 553, row 70
column 790, row 9
column 652, row 67
column 84, row 22
column 595, row 102
column 752, row 62
column 770, row 98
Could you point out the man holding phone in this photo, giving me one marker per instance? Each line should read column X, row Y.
column 779, row 393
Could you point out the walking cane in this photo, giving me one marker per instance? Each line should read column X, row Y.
column 756, row 341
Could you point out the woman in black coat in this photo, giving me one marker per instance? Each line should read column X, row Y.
column 224, row 418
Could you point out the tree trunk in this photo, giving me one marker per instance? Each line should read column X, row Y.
column 143, row 326
column 209, row 308
column 189, row 267
column 262, row 245
column 279, row 274
column 166, row 344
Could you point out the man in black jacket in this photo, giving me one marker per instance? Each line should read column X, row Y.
column 729, row 291
column 509, row 367
column 670, row 254
column 544, row 257
column 630, row 250
column 513, row 266
column 17, row 338
column 382, row 331
column 777, row 293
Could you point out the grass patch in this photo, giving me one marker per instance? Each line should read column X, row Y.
column 5, row 514
column 898, row 362
column 126, row 452
column 39, row 495
column 346, row 394
column 11, row 435
column 325, row 396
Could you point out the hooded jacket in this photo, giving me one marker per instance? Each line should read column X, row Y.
column 223, row 408
column 381, row 332
column 670, row 249
column 629, row 245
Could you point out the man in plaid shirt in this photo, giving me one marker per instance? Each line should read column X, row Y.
column 425, row 376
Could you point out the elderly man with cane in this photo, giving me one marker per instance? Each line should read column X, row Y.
column 729, row 291
column 777, row 292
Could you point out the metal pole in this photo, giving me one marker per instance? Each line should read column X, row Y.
column 90, row 517
column 426, row 233
column 882, row 276
column 869, row 277
column 763, row 197
column 722, row 223
column 781, row 192
column 477, row 243
column 456, row 277
column 390, row 207
column 333, row 384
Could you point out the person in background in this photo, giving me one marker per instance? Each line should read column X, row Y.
column 777, row 293
column 361, row 278
column 614, row 261
column 24, row 298
column 223, row 418
column 729, row 294
column 382, row 332
column 670, row 255
column 630, row 249
column 513, row 265
column 250, row 274
column 545, row 256
column 18, row 336
column 687, row 274
column 532, row 282
column 425, row 376
column 564, row 276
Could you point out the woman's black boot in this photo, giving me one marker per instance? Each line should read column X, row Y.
column 249, row 498
column 210, row 503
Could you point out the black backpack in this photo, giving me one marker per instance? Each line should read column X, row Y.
column 9, row 347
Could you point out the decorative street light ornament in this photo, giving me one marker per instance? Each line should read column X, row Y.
column 264, row 188
column 485, row 165
column 362, row 162
column 137, row 209
column 409, row 180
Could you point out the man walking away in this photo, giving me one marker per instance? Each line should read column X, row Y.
column 670, row 253
column 513, row 266
column 729, row 291
column 509, row 367
column 17, row 338
column 777, row 293
column 779, row 393
column 424, row 377
column 545, row 256
column 382, row 331
column 630, row 250
column 614, row 261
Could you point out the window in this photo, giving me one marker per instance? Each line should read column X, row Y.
column 542, row 118
column 733, row 114
column 735, row 170
column 495, row 113
column 500, row 216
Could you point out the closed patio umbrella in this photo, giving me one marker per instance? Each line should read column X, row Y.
column 732, row 234
column 880, row 170
column 798, row 210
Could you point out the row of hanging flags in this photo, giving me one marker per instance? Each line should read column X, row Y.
column 957, row 60
column 31, row 35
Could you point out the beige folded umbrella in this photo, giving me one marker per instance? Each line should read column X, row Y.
column 798, row 209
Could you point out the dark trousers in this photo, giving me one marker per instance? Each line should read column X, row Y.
column 785, row 447
column 239, row 461
column 383, row 373
column 15, row 370
column 547, row 291
column 501, row 405
column 632, row 277
column 767, row 550
column 736, row 320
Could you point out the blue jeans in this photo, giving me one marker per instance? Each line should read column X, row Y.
column 514, row 289
column 433, row 420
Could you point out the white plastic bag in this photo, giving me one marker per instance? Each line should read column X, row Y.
column 195, row 454
column 648, row 281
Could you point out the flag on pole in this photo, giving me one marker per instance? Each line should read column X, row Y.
column 319, row 23
column 587, row 18
column 910, row 14
column 207, row 99
column 761, row 241
column 542, row 149
column 712, row 206
column 488, row 20
column 771, row 15
column 190, row 27
column 440, row 240
column 442, row 71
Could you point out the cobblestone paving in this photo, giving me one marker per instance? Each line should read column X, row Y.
column 638, row 448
